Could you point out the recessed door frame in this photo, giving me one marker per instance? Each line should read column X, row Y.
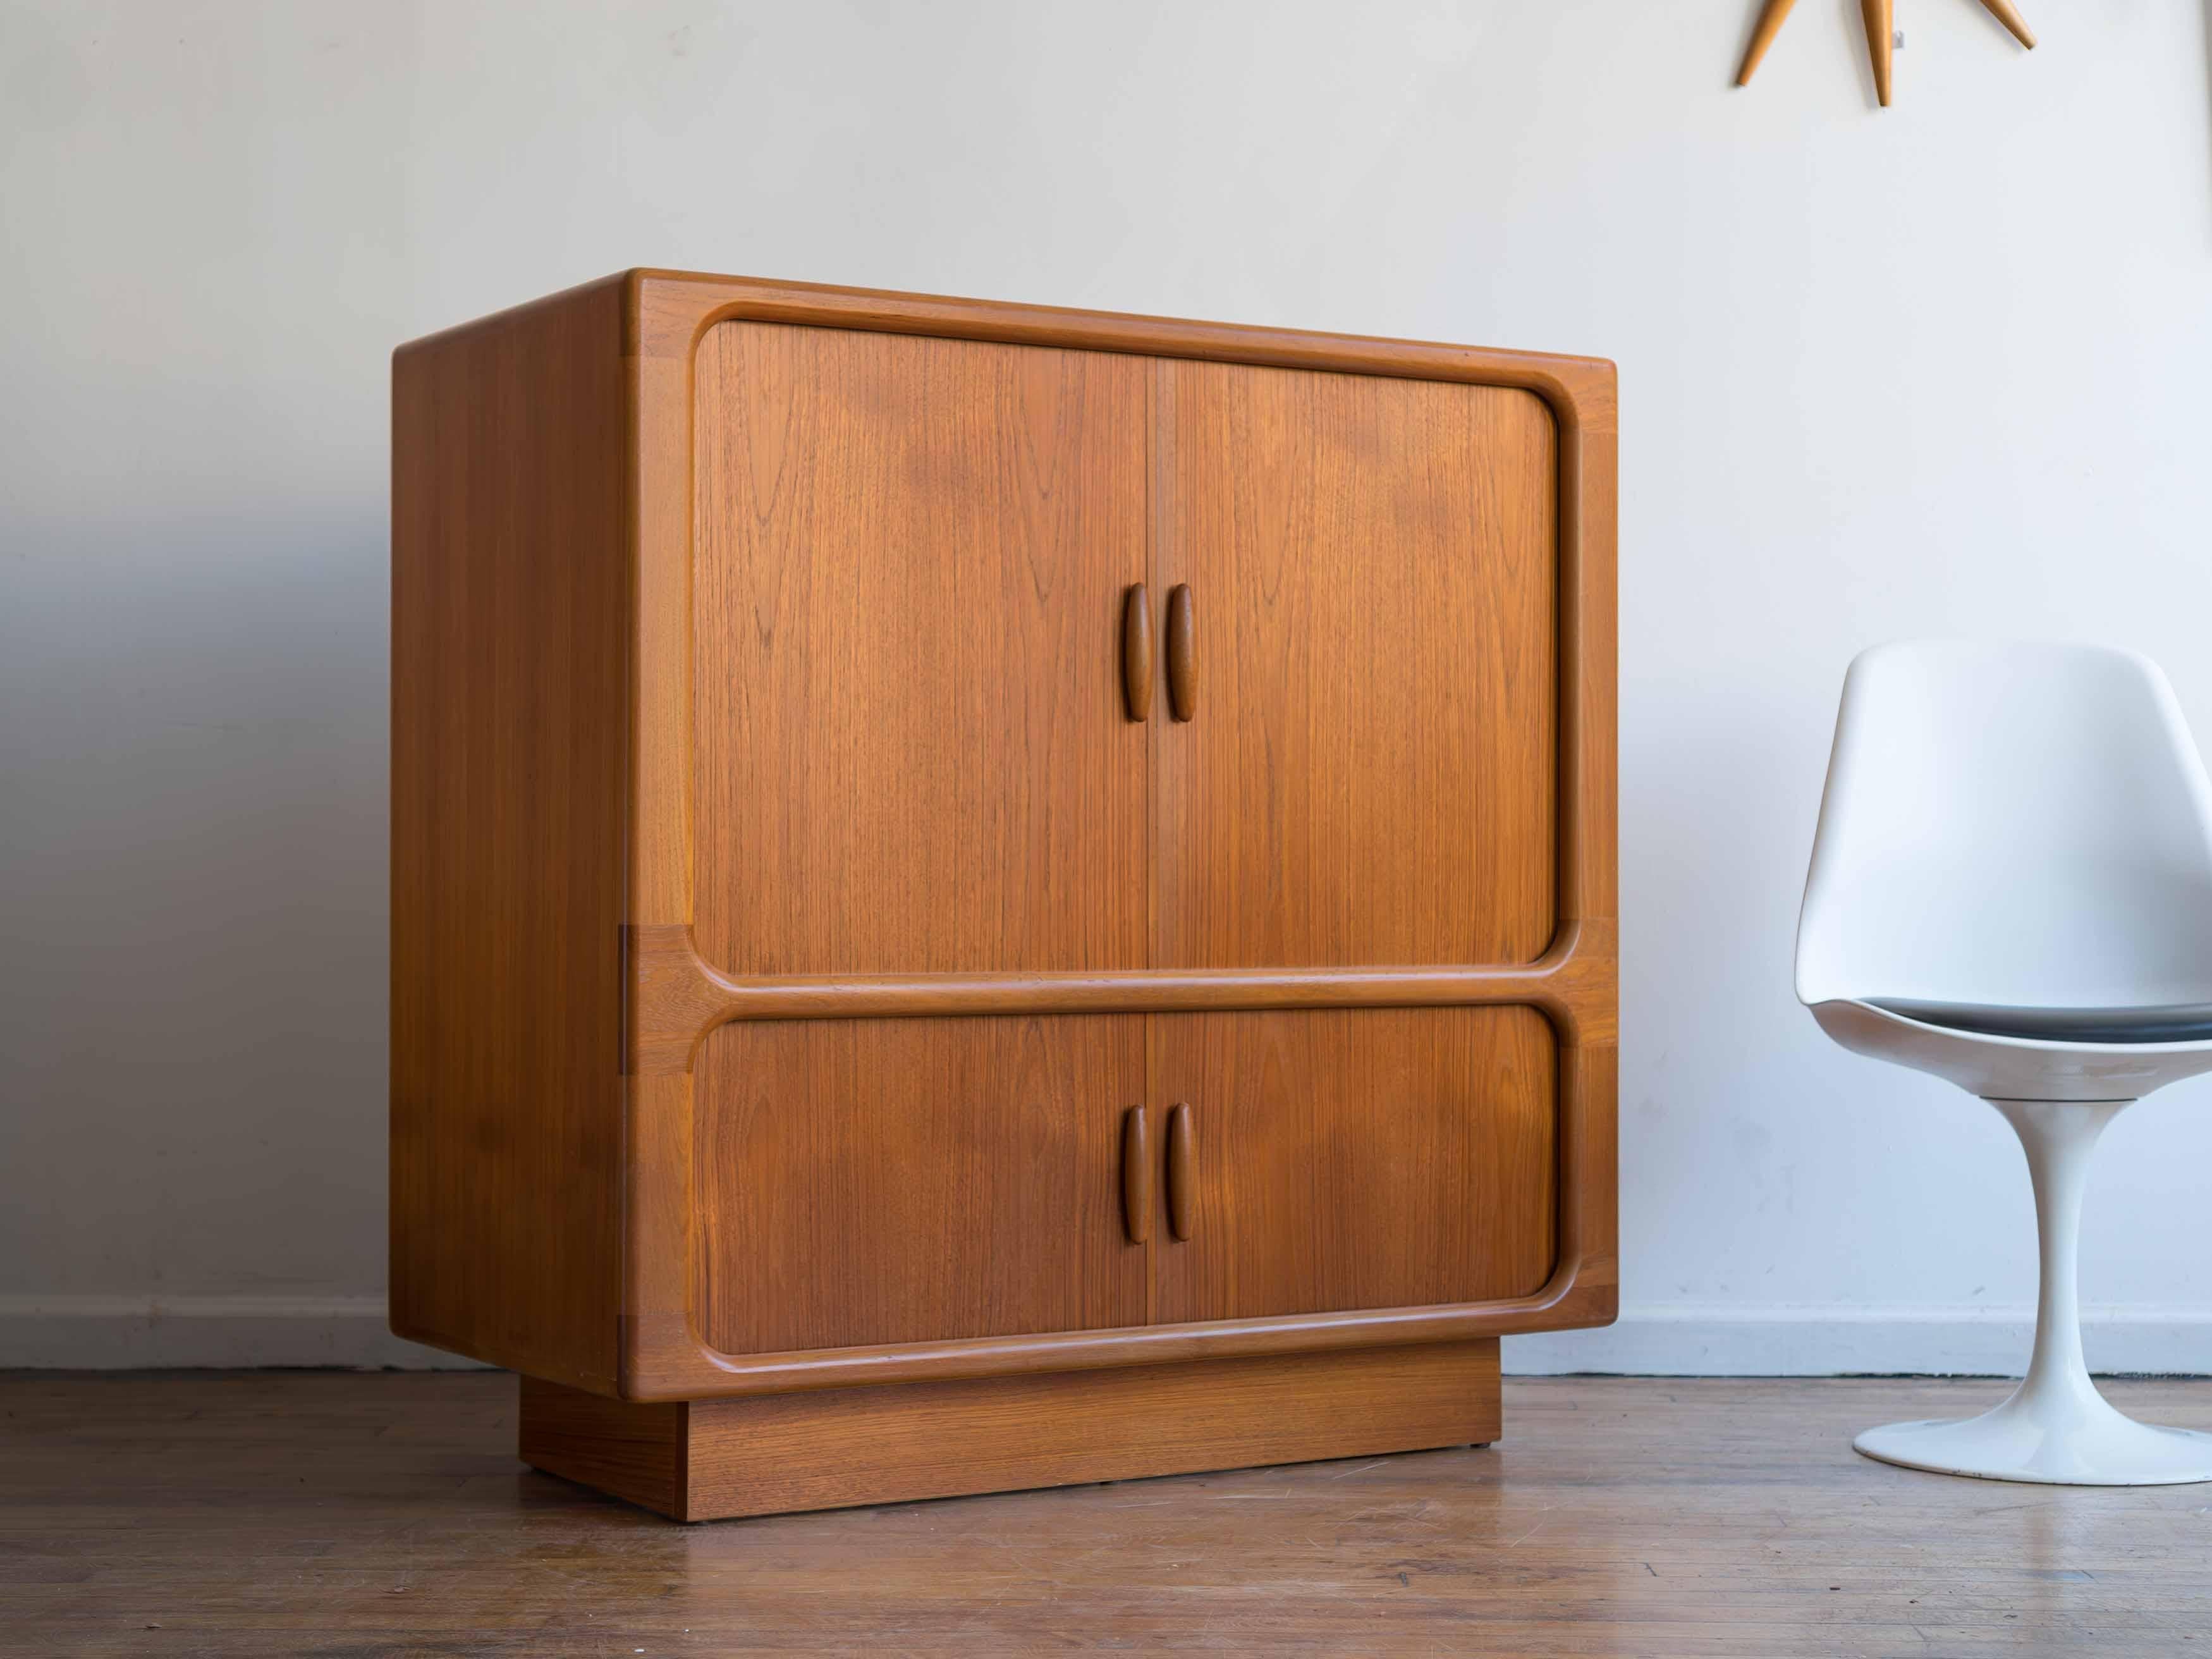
column 675, row 998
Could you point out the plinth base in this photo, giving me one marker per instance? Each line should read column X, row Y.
column 834, row 1448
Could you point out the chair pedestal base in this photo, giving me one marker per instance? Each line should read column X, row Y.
column 2055, row 1429
column 2023, row 1440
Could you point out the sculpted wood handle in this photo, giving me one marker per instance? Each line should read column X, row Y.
column 1183, row 1173
column 1136, row 1175
column 1137, row 651
column 1182, row 673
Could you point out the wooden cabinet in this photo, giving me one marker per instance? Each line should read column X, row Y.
column 966, row 877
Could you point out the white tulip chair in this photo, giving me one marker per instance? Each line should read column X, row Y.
column 2011, row 888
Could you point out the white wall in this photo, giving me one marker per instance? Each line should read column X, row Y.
column 1947, row 368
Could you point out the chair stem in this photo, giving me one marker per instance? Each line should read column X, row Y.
column 2059, row 1138
column 2054, row 1427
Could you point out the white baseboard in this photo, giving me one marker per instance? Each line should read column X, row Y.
column 1720, row 1340
column 132, row 1333
column 123, row 1333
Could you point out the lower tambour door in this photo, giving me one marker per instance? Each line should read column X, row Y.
column 867, row 1181
column 1354, row 1159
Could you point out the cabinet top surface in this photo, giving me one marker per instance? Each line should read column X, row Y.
column 665, row 310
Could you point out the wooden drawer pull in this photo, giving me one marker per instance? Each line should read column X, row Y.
column 1137, row 651
column 1182, row 673
column 1136, row 1175
column 1183, row 1173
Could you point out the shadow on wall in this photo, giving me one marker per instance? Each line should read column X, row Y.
column 194, row 861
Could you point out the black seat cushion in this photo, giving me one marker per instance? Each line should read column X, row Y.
column 2172, row 1022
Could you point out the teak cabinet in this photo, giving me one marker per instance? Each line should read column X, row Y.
column 987, row 896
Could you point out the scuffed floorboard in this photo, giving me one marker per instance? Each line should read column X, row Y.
column 307, row 1513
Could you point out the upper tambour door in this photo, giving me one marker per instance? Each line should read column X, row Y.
column 1368, row 773
column 910, row 750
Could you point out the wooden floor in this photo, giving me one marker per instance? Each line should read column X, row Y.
column 307, row 1513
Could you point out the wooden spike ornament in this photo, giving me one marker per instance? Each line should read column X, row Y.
column 1880, row 33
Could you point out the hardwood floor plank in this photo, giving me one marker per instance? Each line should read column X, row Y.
column 310, row 1513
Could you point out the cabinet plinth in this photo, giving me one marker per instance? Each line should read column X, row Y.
column 709, row 1460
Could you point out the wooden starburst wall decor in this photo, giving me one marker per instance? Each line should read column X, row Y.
column 1880, row 33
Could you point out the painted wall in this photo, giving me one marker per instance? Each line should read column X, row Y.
column 1947, row 367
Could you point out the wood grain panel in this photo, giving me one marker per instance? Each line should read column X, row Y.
column 509, row 717
column 910, row 745
column 848, row 1446
column 1373, row 1158
column 1370, row 773
column 865, row 1181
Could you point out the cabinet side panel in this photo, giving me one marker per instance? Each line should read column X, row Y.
column 509, row 720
